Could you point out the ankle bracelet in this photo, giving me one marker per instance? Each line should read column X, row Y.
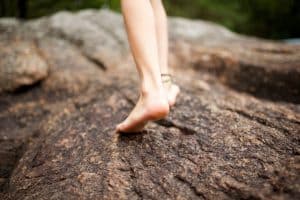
column 166, row 78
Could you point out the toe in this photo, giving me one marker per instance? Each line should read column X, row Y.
column 119, row 127
column 124, row 127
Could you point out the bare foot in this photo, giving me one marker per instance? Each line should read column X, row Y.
column 148, row 108
column 172, row 91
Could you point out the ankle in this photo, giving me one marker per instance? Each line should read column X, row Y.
column 154, row 95
column 152, row 90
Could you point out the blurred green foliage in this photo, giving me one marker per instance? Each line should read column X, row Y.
column 265, row 18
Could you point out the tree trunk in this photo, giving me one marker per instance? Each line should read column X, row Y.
column 22, row 9
column 2, row 8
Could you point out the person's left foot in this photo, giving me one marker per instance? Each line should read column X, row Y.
column 149, row 107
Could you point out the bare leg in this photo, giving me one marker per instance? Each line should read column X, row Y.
column 140, row 26
column 161, row 27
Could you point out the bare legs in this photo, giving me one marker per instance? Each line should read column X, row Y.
column 161, row 28
column 140, row 26
column 147, row 35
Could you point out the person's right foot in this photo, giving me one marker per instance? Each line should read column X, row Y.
column 172, row 91
column 148, row 108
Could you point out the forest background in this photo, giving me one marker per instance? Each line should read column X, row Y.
column 273, row 19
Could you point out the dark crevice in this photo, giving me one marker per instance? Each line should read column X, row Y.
column 169, row 123
column 273, row 51
column 155, row 181
column 26, row 88
column 276, row 83
column 265, row 83
column 292, row 121
column 190, row 185
column 19, row 153
column 187, row 158
column 95, row 61
column 239, row 193
column 138, row 193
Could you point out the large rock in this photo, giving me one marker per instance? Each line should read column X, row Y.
column 20, row 65
column 234, row 133
column 266, row 69
column 95, row 42
column 226, row 146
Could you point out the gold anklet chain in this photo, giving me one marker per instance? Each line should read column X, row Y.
column 166, row 78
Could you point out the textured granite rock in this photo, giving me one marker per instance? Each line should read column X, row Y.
column 20, row 65
column 234, row 133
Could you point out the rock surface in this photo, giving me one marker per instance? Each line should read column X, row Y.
column 20, row 65
column 234, row 133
